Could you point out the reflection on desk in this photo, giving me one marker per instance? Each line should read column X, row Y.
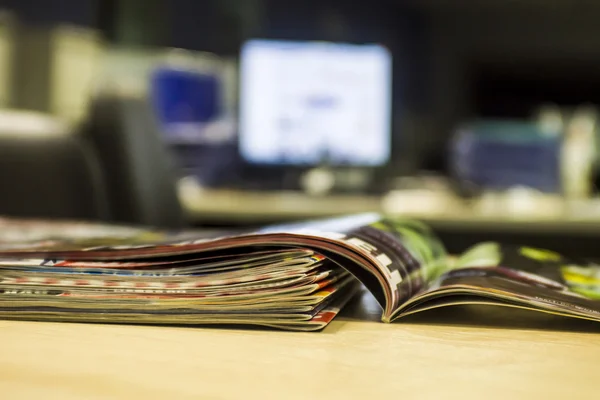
column 354, row 357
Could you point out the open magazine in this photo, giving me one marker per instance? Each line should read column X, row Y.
column 295, row 276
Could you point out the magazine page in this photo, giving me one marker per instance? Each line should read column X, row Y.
column 38, row 235
column 524, row 277
column 290, row 276
column 398, row 257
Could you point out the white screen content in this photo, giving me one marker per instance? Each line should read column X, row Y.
column 305, row 103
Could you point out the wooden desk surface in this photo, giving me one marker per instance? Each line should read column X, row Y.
column 354, row 357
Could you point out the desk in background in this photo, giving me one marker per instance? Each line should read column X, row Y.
column 459, row 227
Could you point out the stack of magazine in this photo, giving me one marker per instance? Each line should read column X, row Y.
column 294, row 277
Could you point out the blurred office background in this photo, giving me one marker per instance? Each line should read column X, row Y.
column 485, row 113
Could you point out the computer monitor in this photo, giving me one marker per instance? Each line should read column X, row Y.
column 315, row 103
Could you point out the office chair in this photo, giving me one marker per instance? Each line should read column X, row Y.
column 139, row 172
column 46, row 171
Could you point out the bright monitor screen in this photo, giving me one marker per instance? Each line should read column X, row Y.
column 309, row 103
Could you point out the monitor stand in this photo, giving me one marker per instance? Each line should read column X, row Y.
column 314, row 181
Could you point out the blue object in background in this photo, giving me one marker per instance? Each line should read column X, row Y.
column 500, row 155
column 185, row 96
column 189, row 108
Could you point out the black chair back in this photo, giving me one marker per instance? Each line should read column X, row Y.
column 139, row 170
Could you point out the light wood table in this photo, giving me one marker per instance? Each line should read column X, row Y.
column 355, row 357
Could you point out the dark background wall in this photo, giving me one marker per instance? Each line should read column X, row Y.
column 502, row 59
column 80, row 12
column 452, row 59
